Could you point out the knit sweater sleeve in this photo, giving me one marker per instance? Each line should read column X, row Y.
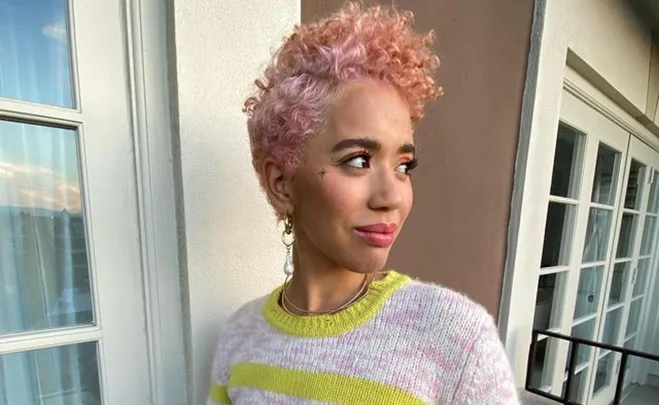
column 218, row 393
column 487, row 377
column 230, row 338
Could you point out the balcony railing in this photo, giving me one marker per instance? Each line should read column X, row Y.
column 575, row 342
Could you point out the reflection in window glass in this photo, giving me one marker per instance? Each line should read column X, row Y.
column 626, row 236
column 597, row 235
column 619, row 283
column 634, row 315
column 549, row 301
column 543, row 363
column 634, row 186
column 567, row 162
column 603, row 372
column 606, row 175
column 631, row 345
column 648, row 235
column 558, row 235
column 578, row 387
column 65, row 375
column 653, row 204
column 35, row 62
column 43, row 251
column 641, row 276
column 590, row 284
column 586, row 331
column 612, row 326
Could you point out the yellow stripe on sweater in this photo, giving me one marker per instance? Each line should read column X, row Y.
column 219, row 394
column 318, row 386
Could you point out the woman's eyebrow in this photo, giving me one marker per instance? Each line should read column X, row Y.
column 366, row 143
column 369, row 144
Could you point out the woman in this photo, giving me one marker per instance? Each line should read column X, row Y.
column 331, row 131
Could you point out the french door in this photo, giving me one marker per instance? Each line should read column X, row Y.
column 628, row 273
column 72, row 323
column 598, row 252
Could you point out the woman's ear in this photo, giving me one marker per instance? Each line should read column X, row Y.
column 278, row 186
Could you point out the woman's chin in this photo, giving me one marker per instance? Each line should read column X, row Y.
column 374, row 265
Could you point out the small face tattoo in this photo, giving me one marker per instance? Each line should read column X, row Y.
column 322, row 173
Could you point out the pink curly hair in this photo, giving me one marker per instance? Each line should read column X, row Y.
column 306, row 74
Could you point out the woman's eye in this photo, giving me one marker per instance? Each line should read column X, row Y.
column 359, row 162
column 407, row 167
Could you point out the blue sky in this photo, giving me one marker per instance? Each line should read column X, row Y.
column 34, row 59
column 37, row 163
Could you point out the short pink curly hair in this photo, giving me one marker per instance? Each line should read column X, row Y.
column 307, row 71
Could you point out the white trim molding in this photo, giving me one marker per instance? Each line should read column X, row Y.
column 152, row 128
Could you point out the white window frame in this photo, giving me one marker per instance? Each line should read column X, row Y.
column 551, row 68
column 151, row 70
column 143, row 28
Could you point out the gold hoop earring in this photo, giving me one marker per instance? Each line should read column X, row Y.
column 287, row 238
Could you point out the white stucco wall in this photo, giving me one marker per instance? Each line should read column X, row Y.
column 613, row 41
column 232, row 247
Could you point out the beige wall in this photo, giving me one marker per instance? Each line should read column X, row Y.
column 614, row 48
column 457, row 232
column 609, row 36
column 221, row 48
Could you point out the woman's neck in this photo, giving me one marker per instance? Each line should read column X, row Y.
column 316, row 293
column 318, row 286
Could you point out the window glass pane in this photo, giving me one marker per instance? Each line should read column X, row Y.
column 606, row 175
column 634, row 315
column 65, row 375
column 634, row 186
column 558, row 235
column 567, row 162
column 43, row 251
column 590, row 283
column 586, row 331
column 604, row 372
column 619, row 283
column 631, row 345
column 35, row 63
column 578, row 387
column 653, row 204
column 549, row 301
column 543, row 363
column 597, row 235
column 648, row 235
column 626, row 235
column 641, row 276
column 612, row 326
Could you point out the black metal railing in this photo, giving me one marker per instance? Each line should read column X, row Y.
column 575, row 342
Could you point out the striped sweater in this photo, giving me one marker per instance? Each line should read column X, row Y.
column 404, row 343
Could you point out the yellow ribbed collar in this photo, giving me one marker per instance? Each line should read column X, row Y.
column 341, row 322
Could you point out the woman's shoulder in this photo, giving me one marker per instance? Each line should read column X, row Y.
column 440, row 307
column 247, row 313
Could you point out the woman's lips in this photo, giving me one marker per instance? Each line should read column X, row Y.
column 378, row 235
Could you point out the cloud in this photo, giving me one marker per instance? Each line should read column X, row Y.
column 38, row 187
column 56, row 30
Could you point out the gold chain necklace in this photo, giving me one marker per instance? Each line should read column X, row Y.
column 285, row 300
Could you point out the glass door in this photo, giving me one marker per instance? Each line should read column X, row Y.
column 630, row 267
column 600, row 203
column 598, row 250
column 584, row 198
column 71, row 294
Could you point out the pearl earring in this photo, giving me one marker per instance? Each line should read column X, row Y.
column 288, row 232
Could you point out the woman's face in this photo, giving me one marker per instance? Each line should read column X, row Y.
column 352, row 193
